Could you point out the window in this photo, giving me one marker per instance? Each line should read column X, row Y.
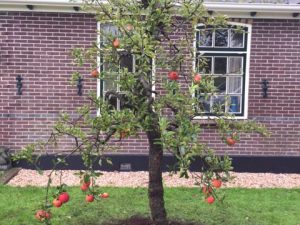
column 110, row 83
column 222, row 56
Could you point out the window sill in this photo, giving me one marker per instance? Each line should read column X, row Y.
column 210, row 119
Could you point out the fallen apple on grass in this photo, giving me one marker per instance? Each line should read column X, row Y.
column 57, row 203
column 89, row 198
column 42, row 215
column 104, row 195
column 210, row 199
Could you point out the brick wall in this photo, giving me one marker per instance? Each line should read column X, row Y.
column 37, row 46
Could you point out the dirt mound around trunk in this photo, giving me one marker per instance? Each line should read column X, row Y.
column 139, row 220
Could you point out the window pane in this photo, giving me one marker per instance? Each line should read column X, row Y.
column 205, row 38
column 108, row 31
column 123, row 101
column 110, row 84
column 221, row 38
column 218, row 104
column 204, row 65
column 110, row 67
column 204, row 104
column 112, row 100
column 220, row 65
column 235, row 104
column 126, row 61
column 235, row 65
column 235, row 85
column 220, row 84
column 236, row 39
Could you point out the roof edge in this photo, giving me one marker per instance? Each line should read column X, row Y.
column 233, row 10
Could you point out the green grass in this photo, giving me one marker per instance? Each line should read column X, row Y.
column 241, row 207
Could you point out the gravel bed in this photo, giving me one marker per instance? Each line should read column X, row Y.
column 140, row 179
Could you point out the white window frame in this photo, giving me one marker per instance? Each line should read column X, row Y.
column 133, row 68
column 247, row 69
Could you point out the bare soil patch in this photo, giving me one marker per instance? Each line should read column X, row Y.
column 139, row 220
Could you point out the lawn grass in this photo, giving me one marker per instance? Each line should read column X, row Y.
column 241, row 207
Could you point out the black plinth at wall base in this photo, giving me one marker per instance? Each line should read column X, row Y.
column 253, row 164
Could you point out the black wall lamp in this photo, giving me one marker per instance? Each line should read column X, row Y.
column 19, row 84
column 295, row 15
column 79, row 86
column 265, row 87
column 253, row 13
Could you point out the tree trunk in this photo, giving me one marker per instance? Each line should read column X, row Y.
column 155, row 190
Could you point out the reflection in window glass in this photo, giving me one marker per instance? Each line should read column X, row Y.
column 221, row 38
column 110, row 67
column 124, row 102
column 205, row 38
column 235, row 104
column 204, row 104
column 235, row 85
column 204, row 65
column 126, row 61
column 220, row 65
column 218, row 104
column 235, row 65
column 220, row 84
column 112, row 100
column 236, row 39
column 110, row 84
column 108, row 31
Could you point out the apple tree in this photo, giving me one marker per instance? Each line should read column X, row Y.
column 157, row 35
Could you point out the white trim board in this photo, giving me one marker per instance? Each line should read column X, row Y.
column 232, row 10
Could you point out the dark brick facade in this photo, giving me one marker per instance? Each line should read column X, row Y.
column 37, row 46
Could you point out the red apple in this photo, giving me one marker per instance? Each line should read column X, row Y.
column 206, row 190
column 173, row 75
column 88, row 183
column 42, row 215
column 84, row 187
column 217, row 183
column 116, row 43
column 210, row 199
column 57, row 203
column 129, row 27
column 230, row 141
column 64, row 197
column 89, row 198
column 104, row 195
column 197, row 78
column 95, row 73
